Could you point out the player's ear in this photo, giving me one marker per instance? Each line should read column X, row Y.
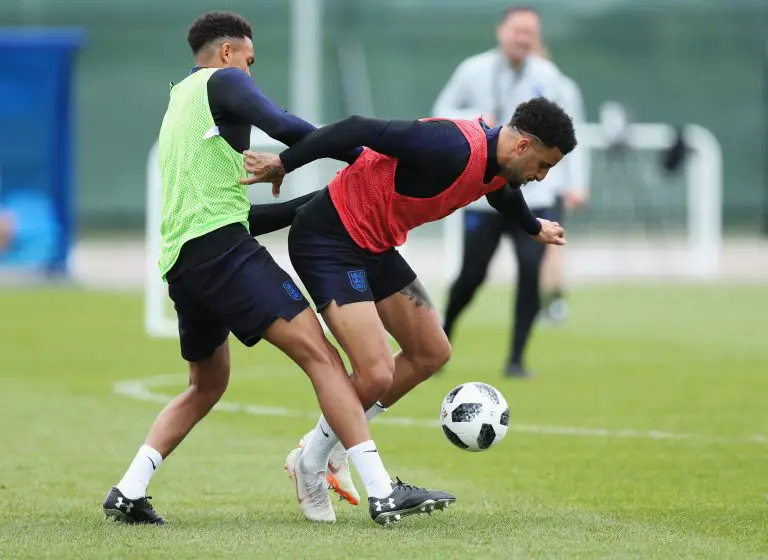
column 226, row 51
column 523, row 145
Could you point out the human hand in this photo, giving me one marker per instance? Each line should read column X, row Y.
column 263, row 168
column 551, row 233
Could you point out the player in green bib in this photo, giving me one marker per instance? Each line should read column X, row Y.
column 222, row 280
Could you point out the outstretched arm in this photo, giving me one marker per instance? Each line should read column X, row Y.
column 266, row 218
column 413, row 142
column 429, row 145
column 233, row 91
column 510, row 202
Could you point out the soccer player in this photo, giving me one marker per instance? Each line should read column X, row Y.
column 222, row 280
column 342, row 242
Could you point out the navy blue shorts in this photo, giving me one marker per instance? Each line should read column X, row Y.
column 242, row 290
column 334, row 268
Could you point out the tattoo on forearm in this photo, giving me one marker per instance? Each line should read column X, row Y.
column 417, row 294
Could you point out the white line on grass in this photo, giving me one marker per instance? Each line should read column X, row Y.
column 141, row 389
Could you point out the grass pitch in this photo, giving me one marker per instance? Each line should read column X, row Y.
column 645, row 436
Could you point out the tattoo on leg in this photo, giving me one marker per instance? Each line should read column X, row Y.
column 417, row 294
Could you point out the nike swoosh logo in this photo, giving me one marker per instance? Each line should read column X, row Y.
column 323, row 432
column 371, row 451
column 154, row 467
column 334, row 470
column 299, row 498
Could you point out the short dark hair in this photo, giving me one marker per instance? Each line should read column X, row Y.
column 217, row 25
column 517, row 10
column 546, row 121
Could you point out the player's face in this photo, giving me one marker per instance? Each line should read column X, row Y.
column 238, row 54
column 518, row 35
column 531, row 162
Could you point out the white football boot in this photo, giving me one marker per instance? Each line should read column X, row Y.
column 338, row 475
column 311, row 490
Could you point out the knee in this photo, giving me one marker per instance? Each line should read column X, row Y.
column 205, row 397
column 430, row 358
column 374, row 380
column 208, row 392
column 207, row 383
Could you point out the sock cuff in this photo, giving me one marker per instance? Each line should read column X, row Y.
column 152, row 454
column 362, row 448
column 324, row 426
column 376, row 409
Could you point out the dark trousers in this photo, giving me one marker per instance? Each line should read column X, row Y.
column 482, row 233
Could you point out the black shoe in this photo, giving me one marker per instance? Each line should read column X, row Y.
column 517, row 371
column 407, row 500
column 120, row 508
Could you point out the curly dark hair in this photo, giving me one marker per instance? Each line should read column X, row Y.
column 547, row 121
column 217, row 25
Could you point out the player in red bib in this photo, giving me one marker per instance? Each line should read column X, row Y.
column 342, row 242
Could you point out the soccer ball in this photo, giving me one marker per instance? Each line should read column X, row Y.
column 474, row 416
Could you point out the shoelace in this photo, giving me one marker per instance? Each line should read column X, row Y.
column 148, row 503
column 405, row 485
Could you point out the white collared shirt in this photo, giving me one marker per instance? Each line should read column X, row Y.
column 485, row 84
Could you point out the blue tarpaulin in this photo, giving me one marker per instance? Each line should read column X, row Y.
column 37, row 159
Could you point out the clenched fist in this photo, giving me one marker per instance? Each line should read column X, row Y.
column 551, row 233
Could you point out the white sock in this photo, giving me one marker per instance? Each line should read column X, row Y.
column 318, row 449
column 320, row 445
column 368, row 463
column 374, row 411
column 136, row 479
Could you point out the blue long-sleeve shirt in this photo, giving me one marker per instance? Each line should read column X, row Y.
column 237, row 103
column 431, row 156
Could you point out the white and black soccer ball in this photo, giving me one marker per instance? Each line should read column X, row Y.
column 474, row 416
